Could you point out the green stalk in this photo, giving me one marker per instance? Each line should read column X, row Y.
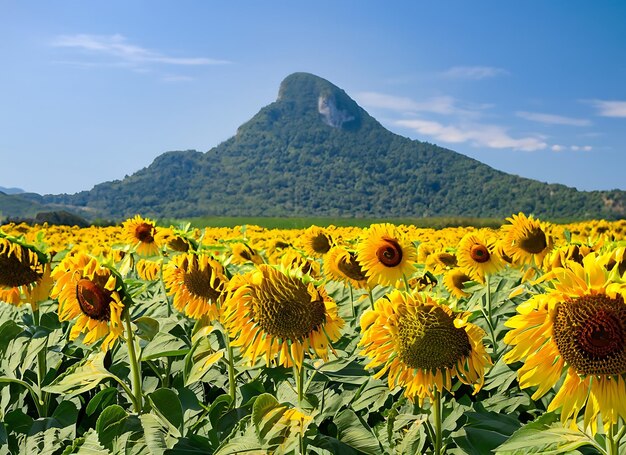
column 232, row 385
column 135, row 365
column 437, row 416
column 352, row 300
column 490, row 319
column 369, row 291
column 42, row 367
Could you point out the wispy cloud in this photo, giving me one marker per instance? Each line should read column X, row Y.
column 443, row 105
column 574, row 148
column 474, row 72
column 480, row 135
column 118, row 48
column 552, row 119
column 610, row 108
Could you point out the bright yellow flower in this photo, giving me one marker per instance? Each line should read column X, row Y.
column 316, row 241
column 577, row 329
column 272, row 314
column 527, row 240
column 477, row 256
column 422, row 345
column 140, row 233
column 454, row 280
column 342, row 265
column 90, row 294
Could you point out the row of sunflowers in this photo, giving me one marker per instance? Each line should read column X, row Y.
column 392, row 339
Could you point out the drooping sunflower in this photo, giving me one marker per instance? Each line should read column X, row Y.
column 270, row 313
column 91, row 294
column 24, row 273
column 441, row 260
column 422, row 345
column 527, row 240
column 140, row 233
column 316, row 241
column 242, row 253
column 148, row 270
column 454, row 280
column 477, row 256
column 576, row 329
column 342, row 265
column 197, row 283
column 385, row 254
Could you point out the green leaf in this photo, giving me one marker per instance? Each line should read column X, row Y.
column 263, row 403
column 81, row 377
column 352, row 431
column 414, row 439
column 18, row 422
column 164, row 345
column 110, row 424
column 155, row 434
column 100, row 400
column 147, row 328
column 66, row 414
column 90, row 444
column 168, row 406
column 8, row 331
column 546, row 436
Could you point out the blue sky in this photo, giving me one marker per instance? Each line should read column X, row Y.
column 94, row 91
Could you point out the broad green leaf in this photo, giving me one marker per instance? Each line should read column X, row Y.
column 203, row 360
column 147, row 328
column 241, row 445
column 90, row 444
column 82, row 377
column 164, row 345
column 352, row 431
column 155, row 434
column 263, row 403
column 167, row 404
column 18, row 422
column 544, row 436
column 110, row 424
column 413, row 440
column 8, row 331
column 101, row 400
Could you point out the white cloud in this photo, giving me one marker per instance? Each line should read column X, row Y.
column 480, row 135
column 118, row 47
column 610, row 108
column 443, row 105
column 552, row 119
column 474, row 72
column 557, row 148
column 575, row 148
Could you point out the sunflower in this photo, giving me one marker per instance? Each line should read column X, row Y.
column 441, row 260
column 92, row 294
column 24, row 273
column 385, row 254
column 242, row 253
column 140, row 233
column 342, row 265
column 317, row 242
column 477, row 256
column 527, row 240
column 148, row 270
column 197, row 283
column 577, row 329
column 422, row 345
column 454, row 280
column 274, row 314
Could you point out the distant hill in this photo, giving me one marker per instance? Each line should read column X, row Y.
column 315, row 152
column 10, row 190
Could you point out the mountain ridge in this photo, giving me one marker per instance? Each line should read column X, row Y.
column 315, row 152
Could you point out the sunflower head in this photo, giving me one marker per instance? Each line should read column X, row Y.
column 342, row 265
column 385, row 254
column 141, row 234
column 316, row 241
column 280, row 316
column 441, row 260
column 242, row 253
column 477, row 256
column 198, row 284
column 24, row 272
column 91, row 295
column 577, row 328
column 527, row 240
column 422, row 345
column 454, row 280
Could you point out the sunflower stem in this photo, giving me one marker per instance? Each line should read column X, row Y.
column 352, row 300
column 369, row 291
column 42, row 405
column 232, row 389
column 406, row 283
column 135, row 365
column 437, row 417
column 492, row 333
column 613, row 440
column 298, row 374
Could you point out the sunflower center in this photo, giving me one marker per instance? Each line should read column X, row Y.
column 534, row 242
column 198, row 283
column 389, row 254
column 284, row 308
column 447, row 259
column 428, row 340
column 15, row 272
column 479, row 253
column 94, row 300
column 351, row 268
column 179, row 244
column 320, row 244
column 590, row 333
column 459, row 279
column 143, row 233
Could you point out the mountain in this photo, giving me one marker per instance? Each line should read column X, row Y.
column 315, row 151
column 10, row 190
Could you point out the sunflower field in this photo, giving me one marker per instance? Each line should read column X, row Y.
column 390, row 339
